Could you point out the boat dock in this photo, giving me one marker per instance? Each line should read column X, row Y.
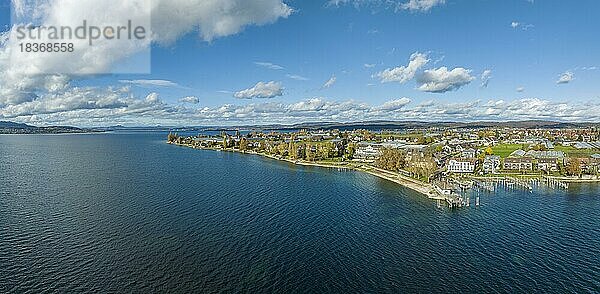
column 445, row 192
column 554, row 183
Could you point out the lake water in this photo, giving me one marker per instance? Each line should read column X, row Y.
column 126, row 212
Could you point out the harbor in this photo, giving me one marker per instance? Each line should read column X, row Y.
column 467, row 192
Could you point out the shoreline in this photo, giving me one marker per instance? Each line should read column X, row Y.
column 424, row 189
column 539, row 177
column 574, row 180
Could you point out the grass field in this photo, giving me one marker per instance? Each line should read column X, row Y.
column 504, row 150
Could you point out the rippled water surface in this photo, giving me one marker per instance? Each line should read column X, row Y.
column 129, row 213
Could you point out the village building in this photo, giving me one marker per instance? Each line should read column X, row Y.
column 462, row 165
column 547, row 164
column 518, row 163
column 588, row 165
column 545, row 154
column 367, row 152
column 491, row 164
column 518, row 153
column 469, row 153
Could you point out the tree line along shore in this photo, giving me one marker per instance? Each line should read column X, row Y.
column 417, row 162
column 314, row 153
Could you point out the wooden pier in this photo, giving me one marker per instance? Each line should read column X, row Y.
column 554, row 183
column 452, row 191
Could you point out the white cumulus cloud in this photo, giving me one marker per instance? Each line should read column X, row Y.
column 22, row 79
column 442, row 80
column 190, row 99
column 105, row 107
column 395, row 104
column 261, row 90
column 421, row 5
column 213, row 18
column 403, row 74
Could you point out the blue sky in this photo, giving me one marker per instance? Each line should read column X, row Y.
column 317, row 42
column 525, row 45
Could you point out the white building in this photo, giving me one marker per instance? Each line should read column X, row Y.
column 367, row 153
column 462, row 165
column 469, row 153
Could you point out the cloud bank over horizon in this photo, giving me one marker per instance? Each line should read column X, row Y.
column 93, row 107
column 289, row 80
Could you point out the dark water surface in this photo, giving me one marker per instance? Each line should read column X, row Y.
column 129, row 213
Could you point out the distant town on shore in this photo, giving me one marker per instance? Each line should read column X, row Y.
column 19, row 128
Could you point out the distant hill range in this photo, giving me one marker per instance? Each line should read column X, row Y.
column 7, row 127
column 396, row 125
column 17, row 128
column 8, row 124
column 469, row 125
